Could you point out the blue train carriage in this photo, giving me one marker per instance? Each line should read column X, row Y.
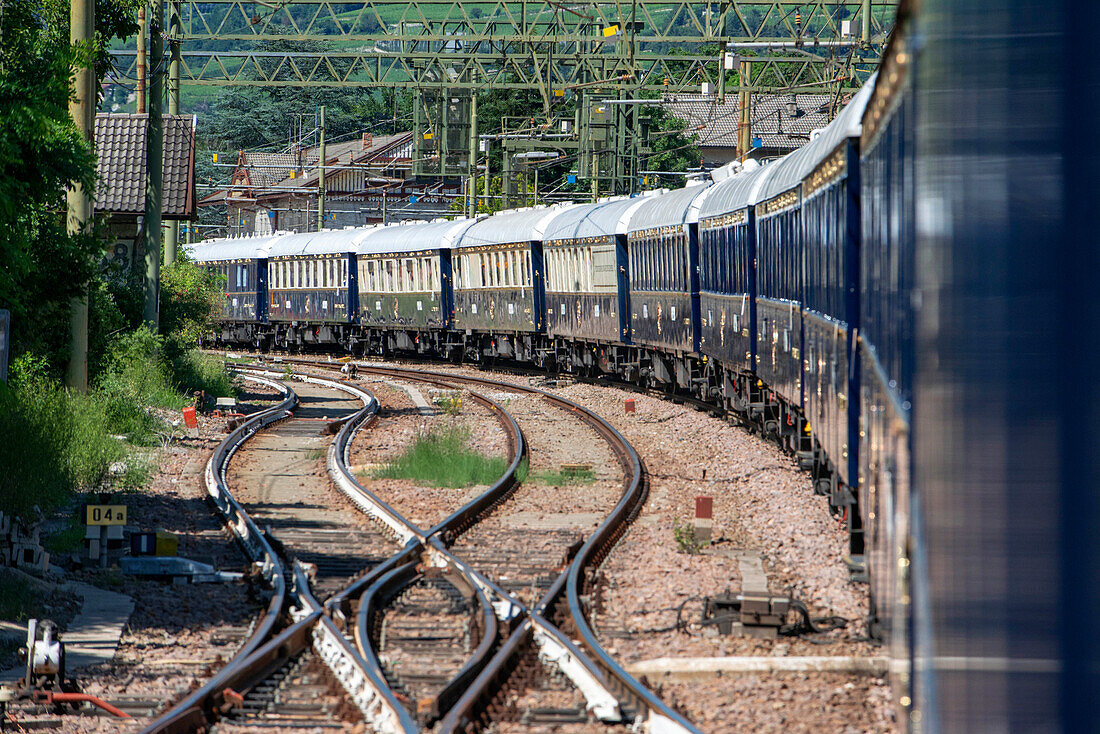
column 884, row 349
column 727, row 286
column 405, row 296
column 830, row 312
column 779, row 290
column 664, row 288
column 313, row 295
column 241, row 263
column 499, row 300
column 587, row 296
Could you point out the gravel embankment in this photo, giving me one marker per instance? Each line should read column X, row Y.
column 762, row 503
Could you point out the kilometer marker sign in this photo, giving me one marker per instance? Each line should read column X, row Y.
column 105, row 515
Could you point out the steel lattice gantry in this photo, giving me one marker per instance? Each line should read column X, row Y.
column 545, row 45
column 447, row 50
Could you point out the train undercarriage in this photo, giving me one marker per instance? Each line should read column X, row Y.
column 736, row 393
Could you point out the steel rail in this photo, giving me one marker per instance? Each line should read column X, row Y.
column 385, row 578
column 264, row 651
column 193, row 711
column 594, row 678
column 591, row 554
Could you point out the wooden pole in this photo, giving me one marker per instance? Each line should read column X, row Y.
column 154, row 163
column 175, row 30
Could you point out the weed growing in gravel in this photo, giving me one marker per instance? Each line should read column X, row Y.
column 443, row 458
column 565, row 475
column 450, row 403
column 684, row 535
column 139, row 470
column 315, row 454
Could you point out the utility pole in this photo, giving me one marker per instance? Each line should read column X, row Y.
column 142, row 64
column 744, row 111
column 321, row 173
column 175, row 30
column 154, row 162
column 488, row 196
column 472, row 160
column 78, row 201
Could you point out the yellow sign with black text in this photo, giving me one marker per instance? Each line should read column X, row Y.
column 105, row 515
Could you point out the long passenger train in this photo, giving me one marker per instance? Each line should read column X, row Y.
column 790, row 295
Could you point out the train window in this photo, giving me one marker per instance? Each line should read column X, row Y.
column 343, row 273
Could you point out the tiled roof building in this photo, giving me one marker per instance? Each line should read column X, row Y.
column 120, row 142
column 779, row 123
column 366, row 178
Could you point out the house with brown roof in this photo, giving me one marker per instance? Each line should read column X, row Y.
column 368, row 179
column 120, row 141
column 779, row 123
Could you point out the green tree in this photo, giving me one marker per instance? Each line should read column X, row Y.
column 41, row 154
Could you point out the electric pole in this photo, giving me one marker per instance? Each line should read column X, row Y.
column 321, row 173
column 154, row 162
column 79, row 203
column 175, row 30
column 471, row 164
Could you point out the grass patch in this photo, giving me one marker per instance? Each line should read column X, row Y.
column 443, row 458
column 19, row 600
column 315, row 454
column 139, row 470
column 69, row 540
column 54, row 441
column 565, row 476
column 195, row 370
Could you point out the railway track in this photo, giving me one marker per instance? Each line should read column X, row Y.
column 497, row 654
column 610, row 693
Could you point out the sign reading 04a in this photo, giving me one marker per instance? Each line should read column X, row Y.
column 105, row 515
